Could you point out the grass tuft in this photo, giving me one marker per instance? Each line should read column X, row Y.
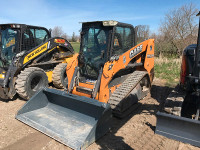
column 76, row 46
column 168, row 69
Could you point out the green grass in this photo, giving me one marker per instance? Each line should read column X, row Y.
column 168, row 69
column 76, row 46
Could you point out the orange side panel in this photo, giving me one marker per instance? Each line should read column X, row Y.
column 149, row 60
column 123, row 61
column 138, row 59
column 71, row 67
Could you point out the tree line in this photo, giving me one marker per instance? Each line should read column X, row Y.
column 57, row 31
column 177, row 30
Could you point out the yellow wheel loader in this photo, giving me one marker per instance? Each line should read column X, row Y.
column 30, row 59
column 108, row 76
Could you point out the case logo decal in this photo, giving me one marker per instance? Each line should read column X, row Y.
column 135, row 51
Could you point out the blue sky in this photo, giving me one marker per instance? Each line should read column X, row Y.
column 68, row 13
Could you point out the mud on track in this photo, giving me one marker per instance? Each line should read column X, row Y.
column 136, row 131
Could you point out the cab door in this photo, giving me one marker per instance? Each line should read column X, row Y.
column 33, row 37
column 123, row 39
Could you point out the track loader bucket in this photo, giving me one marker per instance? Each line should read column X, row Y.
column 75, row 121
column 179, row 128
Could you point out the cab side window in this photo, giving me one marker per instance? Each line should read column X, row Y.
column 33, row 37
column 122, row 40
column 41, row 36
column 28, row 40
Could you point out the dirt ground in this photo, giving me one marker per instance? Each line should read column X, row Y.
column 136, row 131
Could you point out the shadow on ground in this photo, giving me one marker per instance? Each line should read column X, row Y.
column 111, row 141
column 13, row 99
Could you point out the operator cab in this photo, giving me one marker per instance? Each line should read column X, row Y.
column 15, row 38
column 101, row 41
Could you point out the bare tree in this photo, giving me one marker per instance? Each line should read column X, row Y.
column 74, row 38
column 64, row 35
column 163, row 46
column 178, row 27
column 58, row 32
column 142, row 32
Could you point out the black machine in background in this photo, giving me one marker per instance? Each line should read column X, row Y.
column 179, row 118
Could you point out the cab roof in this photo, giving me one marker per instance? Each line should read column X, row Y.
column 108, row 23
column 18, row 25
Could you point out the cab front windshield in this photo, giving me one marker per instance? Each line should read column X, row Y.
column 94, row 48
column 8, row 38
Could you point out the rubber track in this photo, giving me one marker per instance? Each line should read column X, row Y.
column 56, row 76
column 119, row 95
column 174, row 101
column 21, row 81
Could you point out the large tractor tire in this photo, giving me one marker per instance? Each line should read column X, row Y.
column 30, row 81
column 59, row 76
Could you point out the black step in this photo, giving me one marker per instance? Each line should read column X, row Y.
column 84, row 90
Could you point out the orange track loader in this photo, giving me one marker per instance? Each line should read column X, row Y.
column 109, row 75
